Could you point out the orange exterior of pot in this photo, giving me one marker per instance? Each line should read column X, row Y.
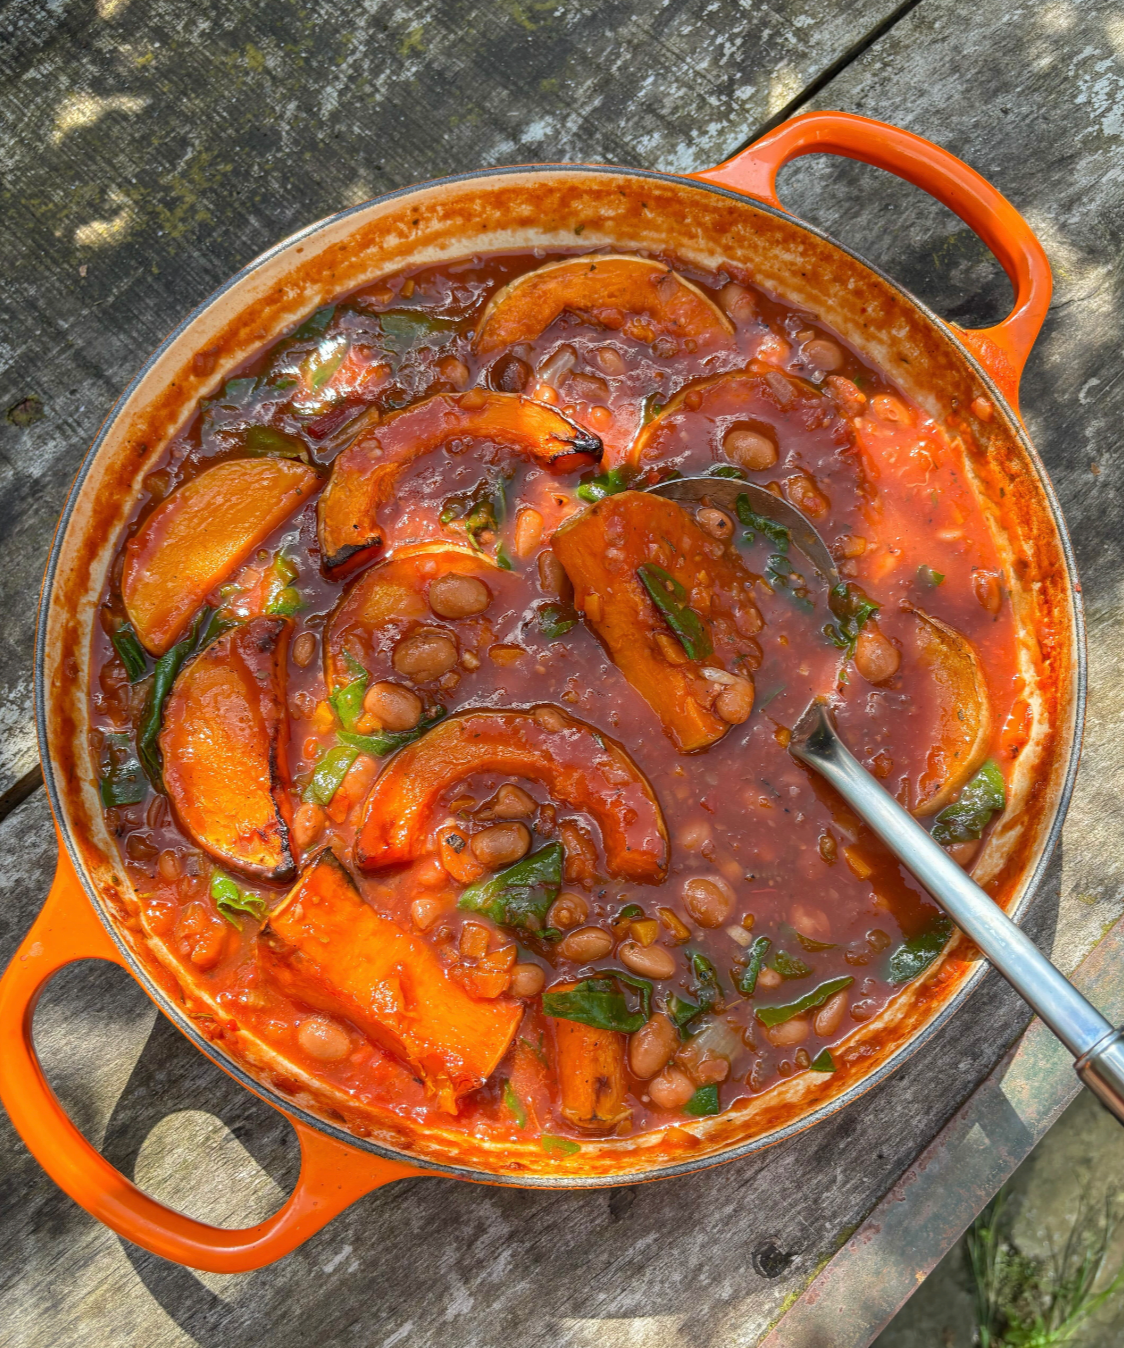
column 1003, row 349
column 334, row 1174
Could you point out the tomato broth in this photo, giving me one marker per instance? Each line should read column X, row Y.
column 697, row 916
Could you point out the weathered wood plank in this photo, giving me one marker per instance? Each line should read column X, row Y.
column 703, row 1260
column 671, row 1263
column 150, row 153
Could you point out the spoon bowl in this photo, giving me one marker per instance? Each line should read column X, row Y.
column 723, row 493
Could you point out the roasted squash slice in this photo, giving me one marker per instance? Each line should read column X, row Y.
column 757, row 398
column 582, row 768
column 224, row 743
column 394, row 593
column 323, row 945
column 603, row 550
column 644, row 298
column 964, row 709
column 200, row 536
column 364, row 474
column 592, row 1084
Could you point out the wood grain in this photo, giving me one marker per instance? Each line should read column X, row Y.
column 260, row 118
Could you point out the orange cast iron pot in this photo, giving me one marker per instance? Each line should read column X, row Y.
column 968, row 380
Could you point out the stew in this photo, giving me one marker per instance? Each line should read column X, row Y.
column 452, row 764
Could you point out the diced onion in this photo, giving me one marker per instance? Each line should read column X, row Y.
column 716, row 1039
column 557, row 366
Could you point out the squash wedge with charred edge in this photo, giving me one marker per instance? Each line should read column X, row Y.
column 364, row 474
column 225, row 747
column 601, row 549
column 757, row 393
column 965, row 712
column 591, row 1074
column 323, row 945
column 393, row 592
column 616, row 291
column 583, row 769
column 200, row 536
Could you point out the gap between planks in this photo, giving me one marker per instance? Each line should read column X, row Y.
column 824, row 78
column 19, row 791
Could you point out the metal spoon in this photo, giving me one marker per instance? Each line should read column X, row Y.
column 1095, row 1044
column 723, row 493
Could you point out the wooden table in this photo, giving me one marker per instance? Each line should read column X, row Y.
column 151, row 147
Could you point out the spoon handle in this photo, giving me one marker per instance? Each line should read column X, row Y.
column 1097, row 1046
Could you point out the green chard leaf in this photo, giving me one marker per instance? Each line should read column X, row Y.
column 282, row 599
column 478, row 509
column 927, row 576
column 503, row 561
column 914, row 956
column 213, row 625
column 704, row 980
column 609, row 483
column 329, row 773
column 852, row 609
column 385, row 742
column 594, row 1001
column 681, row 1012
column 284, row 603
column 514, row 1105
column 703, row 1102
column 405, row 329
column 123, row 781
column 321, row 364
column 779, row 572
column 268, row 442
column 317, row 324
column 776, row 533
column 642, row 986
column 555, row 621
column 726, row 470
column 348, row 699
column 822, row 1062
column 521, row 895
column 230, row 899
column 651, row 407
column 668, row 596
column 746, row 980
column 130, row 652
column 788, row 966
column 807, row 942
column 163, row 676
column 777, row 1015
column 562, row 1146
column 239, row 392
column 967, row 817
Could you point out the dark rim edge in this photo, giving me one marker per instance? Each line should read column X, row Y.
column 818, row 1114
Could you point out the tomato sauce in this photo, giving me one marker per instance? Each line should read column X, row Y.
column 782, row 857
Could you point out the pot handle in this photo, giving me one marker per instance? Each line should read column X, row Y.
column 1002, row 349
column 332, row 1174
